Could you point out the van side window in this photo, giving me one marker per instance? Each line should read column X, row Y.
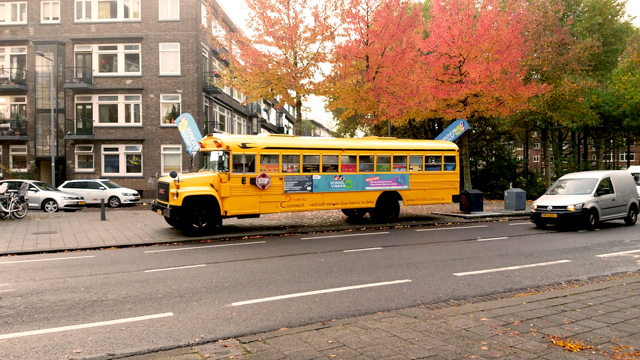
column 605, row 187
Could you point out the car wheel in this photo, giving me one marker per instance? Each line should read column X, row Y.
column 114, row 201
column 591, row 220
column 540, row 224
column 50, row 206
column 632, row 217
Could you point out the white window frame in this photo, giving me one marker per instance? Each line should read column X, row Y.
column 52, row 12
column 168, row 4
column 18, row 150
column 536, row 158
column 170, row 150
column 122, row 152
column 1, row 163
column 121, row 51
column 123, row 101
column 93, row 15
column 203, row 14
column 623, row 156
column 79, row 151
column 166, row 48
column 6, row 12
column 164, row 99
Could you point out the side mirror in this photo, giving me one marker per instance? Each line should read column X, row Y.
column 102, row 188
column 33, row 190
column 173, row 174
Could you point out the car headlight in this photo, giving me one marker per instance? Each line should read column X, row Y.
column 535, row 206
column 128, row 194
column 68, row 198
column 574, row 207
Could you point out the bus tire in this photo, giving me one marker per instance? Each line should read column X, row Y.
column 199, row 216
column 387, row 208
column 354, row 213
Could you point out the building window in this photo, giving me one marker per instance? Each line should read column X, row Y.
column 171, row 159
column 113, row 110
column 203, row 14
column 1, row 163
column 116, row 59
column 536, row 145
column 13, row 107
column 623, row 156
column 13, row 13
column 240, row 124
column 122, row 160
column 18, row 158
column 169, row 58
column 84, row 158
column 107, row 10
column 221, row 116
column 50, row 12
column 13, row 64
column 536, row 158
column 520, row 157
column 169, row 109
column 169, row 10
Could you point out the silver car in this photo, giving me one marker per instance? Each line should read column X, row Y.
column 44, row 196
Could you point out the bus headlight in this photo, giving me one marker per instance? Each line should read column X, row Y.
column 574, row 207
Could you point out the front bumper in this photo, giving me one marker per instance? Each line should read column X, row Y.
column 161, row 209
column 131, row 199
column 72, row 204
column 557, row 216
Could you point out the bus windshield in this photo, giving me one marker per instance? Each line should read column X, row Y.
column 215, row 161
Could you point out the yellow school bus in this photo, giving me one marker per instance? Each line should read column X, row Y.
column 244, row 176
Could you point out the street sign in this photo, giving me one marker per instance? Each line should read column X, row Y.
column 454, row 130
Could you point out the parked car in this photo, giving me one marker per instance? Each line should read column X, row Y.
column 587, row 198
column 95, row 190
column 635, row 172
column 46, row 197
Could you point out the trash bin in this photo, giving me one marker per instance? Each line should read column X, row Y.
column 515, row 199
column 471, row 201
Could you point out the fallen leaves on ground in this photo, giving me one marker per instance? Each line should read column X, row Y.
column 569, row 345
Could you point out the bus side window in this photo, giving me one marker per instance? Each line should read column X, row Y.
column 348, row 164
column 269, row 163
column 291, row 163
column 433, row 163
column 399, row 163
column 244, row 164
column 415, row 163
column 310, row 163
column 383, row 163
column 449, row 163
column 329, row 163
column 366, row 163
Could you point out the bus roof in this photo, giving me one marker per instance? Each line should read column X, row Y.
column 278, row 142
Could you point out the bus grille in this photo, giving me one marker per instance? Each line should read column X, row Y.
column 163, row 191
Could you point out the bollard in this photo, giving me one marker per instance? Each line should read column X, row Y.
column 102, row 210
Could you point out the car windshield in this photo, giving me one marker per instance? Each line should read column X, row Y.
column 44, row 186
column 572, row 187
column 636, row 177
column 111, row 184
column 215, row 161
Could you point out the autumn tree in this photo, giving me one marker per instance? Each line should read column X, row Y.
column 281, row 53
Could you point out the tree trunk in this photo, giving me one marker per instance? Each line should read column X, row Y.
column 297, row 126
column 466, row 164
column 598, row 144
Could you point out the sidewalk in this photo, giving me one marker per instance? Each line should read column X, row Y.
column 598, row 320
column 138, row 225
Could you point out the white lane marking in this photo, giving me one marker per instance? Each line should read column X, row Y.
column 83, row 326
column 354, row 250
column 204, row 247
column 524, row 223
column 454, row 228
column 512, row 268
column 240, row 303
column 618, row 253
column 335, row 236
column 4, row 284
column 51, row 259
column 4, row 291
column 176, row 268
column 490, row 239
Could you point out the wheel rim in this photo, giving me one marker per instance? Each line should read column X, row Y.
column 51, row 206
column 200, row 219
column 592, row 220
column 632, row 216
column 114, row 202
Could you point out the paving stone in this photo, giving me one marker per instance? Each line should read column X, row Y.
column 428, row 342
column 393, row 342
column 256, row 346
column 357, row 342
column 377, row 352
column 342, row 352
column 267, row 355
column 286, row 343
column 590, row 323
column 532, row 346
column 303, row 354
column 322, row 343
column 415, row 352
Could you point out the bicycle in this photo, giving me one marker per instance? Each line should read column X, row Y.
column 15, row 204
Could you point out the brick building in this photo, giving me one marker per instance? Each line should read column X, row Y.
column 122, row 71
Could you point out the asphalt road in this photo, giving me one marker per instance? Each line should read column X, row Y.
column 114, row 301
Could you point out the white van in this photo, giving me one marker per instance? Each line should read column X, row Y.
column 635, row 171
column 587, row 198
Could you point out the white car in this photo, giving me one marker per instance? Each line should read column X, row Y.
column 44, row 196
column 635, row 171
column 95, row 190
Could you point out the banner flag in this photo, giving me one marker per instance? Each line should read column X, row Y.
column 190, row 133
column 454, row 130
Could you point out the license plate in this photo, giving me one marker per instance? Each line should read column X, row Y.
column 137, row 197
column 80, row 202
column 550, row 215
column 159, row 211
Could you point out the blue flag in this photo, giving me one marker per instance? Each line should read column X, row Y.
column 454, row 130
column 189, row 132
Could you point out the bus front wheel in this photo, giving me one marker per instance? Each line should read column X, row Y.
column 354, row 213
column 199, row 221
column 387, row 210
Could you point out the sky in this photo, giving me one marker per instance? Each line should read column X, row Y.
column 237, row 11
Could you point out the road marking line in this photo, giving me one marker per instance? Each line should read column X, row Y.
column 454, row 228
column 83, row 326
column 618, row 253
column 51, row 259
column 4, row 291
column 204, row 247
column 240, row 303
column 511, row 268
column 4, row 284
column 354, row 250
column 490, row 239
column 524, row 223
column 335, row 236
column 176, row 268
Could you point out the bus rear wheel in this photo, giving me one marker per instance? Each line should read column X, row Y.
column 387, row 209
column 354, row 213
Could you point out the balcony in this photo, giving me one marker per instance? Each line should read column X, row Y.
column 78, row 78
column 79, row 129
column 13, row 81
column 211, row 84
column 13, row 129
